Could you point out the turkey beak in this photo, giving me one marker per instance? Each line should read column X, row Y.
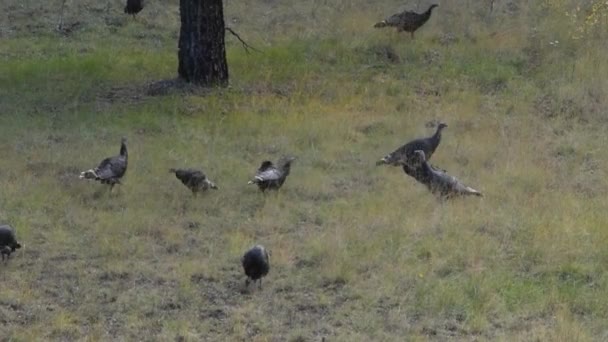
column 381, row 161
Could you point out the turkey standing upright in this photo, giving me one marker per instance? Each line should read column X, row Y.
column 111, row 169
column 407, row 21
column 194, row 180
column 405, row 154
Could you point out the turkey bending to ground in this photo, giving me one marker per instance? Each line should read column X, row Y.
column 255, row 264
column 404, row 155
column 416, row 171
column 111, row 169
column 272, row 177
column 8, row 242
column 407, row 21
column 439, row 182
column 194, row 180
column 134, row 6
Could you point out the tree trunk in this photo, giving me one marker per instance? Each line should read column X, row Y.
column 202, row 53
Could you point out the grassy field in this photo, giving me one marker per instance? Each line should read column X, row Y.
column 358, row 252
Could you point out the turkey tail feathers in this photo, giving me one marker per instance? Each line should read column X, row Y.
column 471, row 191
column 475, row 192
column 89, row 174
column 380, row 24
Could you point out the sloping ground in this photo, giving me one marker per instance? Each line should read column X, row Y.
column 358, row 252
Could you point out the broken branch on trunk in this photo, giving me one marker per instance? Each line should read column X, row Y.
column 245, row 45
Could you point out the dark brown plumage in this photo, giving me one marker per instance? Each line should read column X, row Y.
column 6, row 252
column 8, row 242
column 111, row 169
column 134, row 6
column 437, row 181
column 256, row 264
column 271, row 177
column 405, row 154
column 407, row 21
column 194, row 180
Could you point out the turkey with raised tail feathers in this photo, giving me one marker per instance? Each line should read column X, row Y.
column 439, row 182
column 134, row 6
column 404, row 155
column 271, row 177
column 194, row 180
column 111, row 169
column 407, row 21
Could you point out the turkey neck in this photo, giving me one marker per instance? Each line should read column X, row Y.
column 285, row 169
column 437, row 136
column 123, row 150
column 426, row 171
column 427, row 14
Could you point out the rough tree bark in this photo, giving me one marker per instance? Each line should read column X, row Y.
column 202, row 52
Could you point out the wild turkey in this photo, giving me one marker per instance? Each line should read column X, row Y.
column 415, row 171
column 134, row 6
column 8, row 242
column 194, row 180
column 111, row 169
column 437, row 181
column 407, row 21
column 405, row 154
column 272, row 177
column 255, row 264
